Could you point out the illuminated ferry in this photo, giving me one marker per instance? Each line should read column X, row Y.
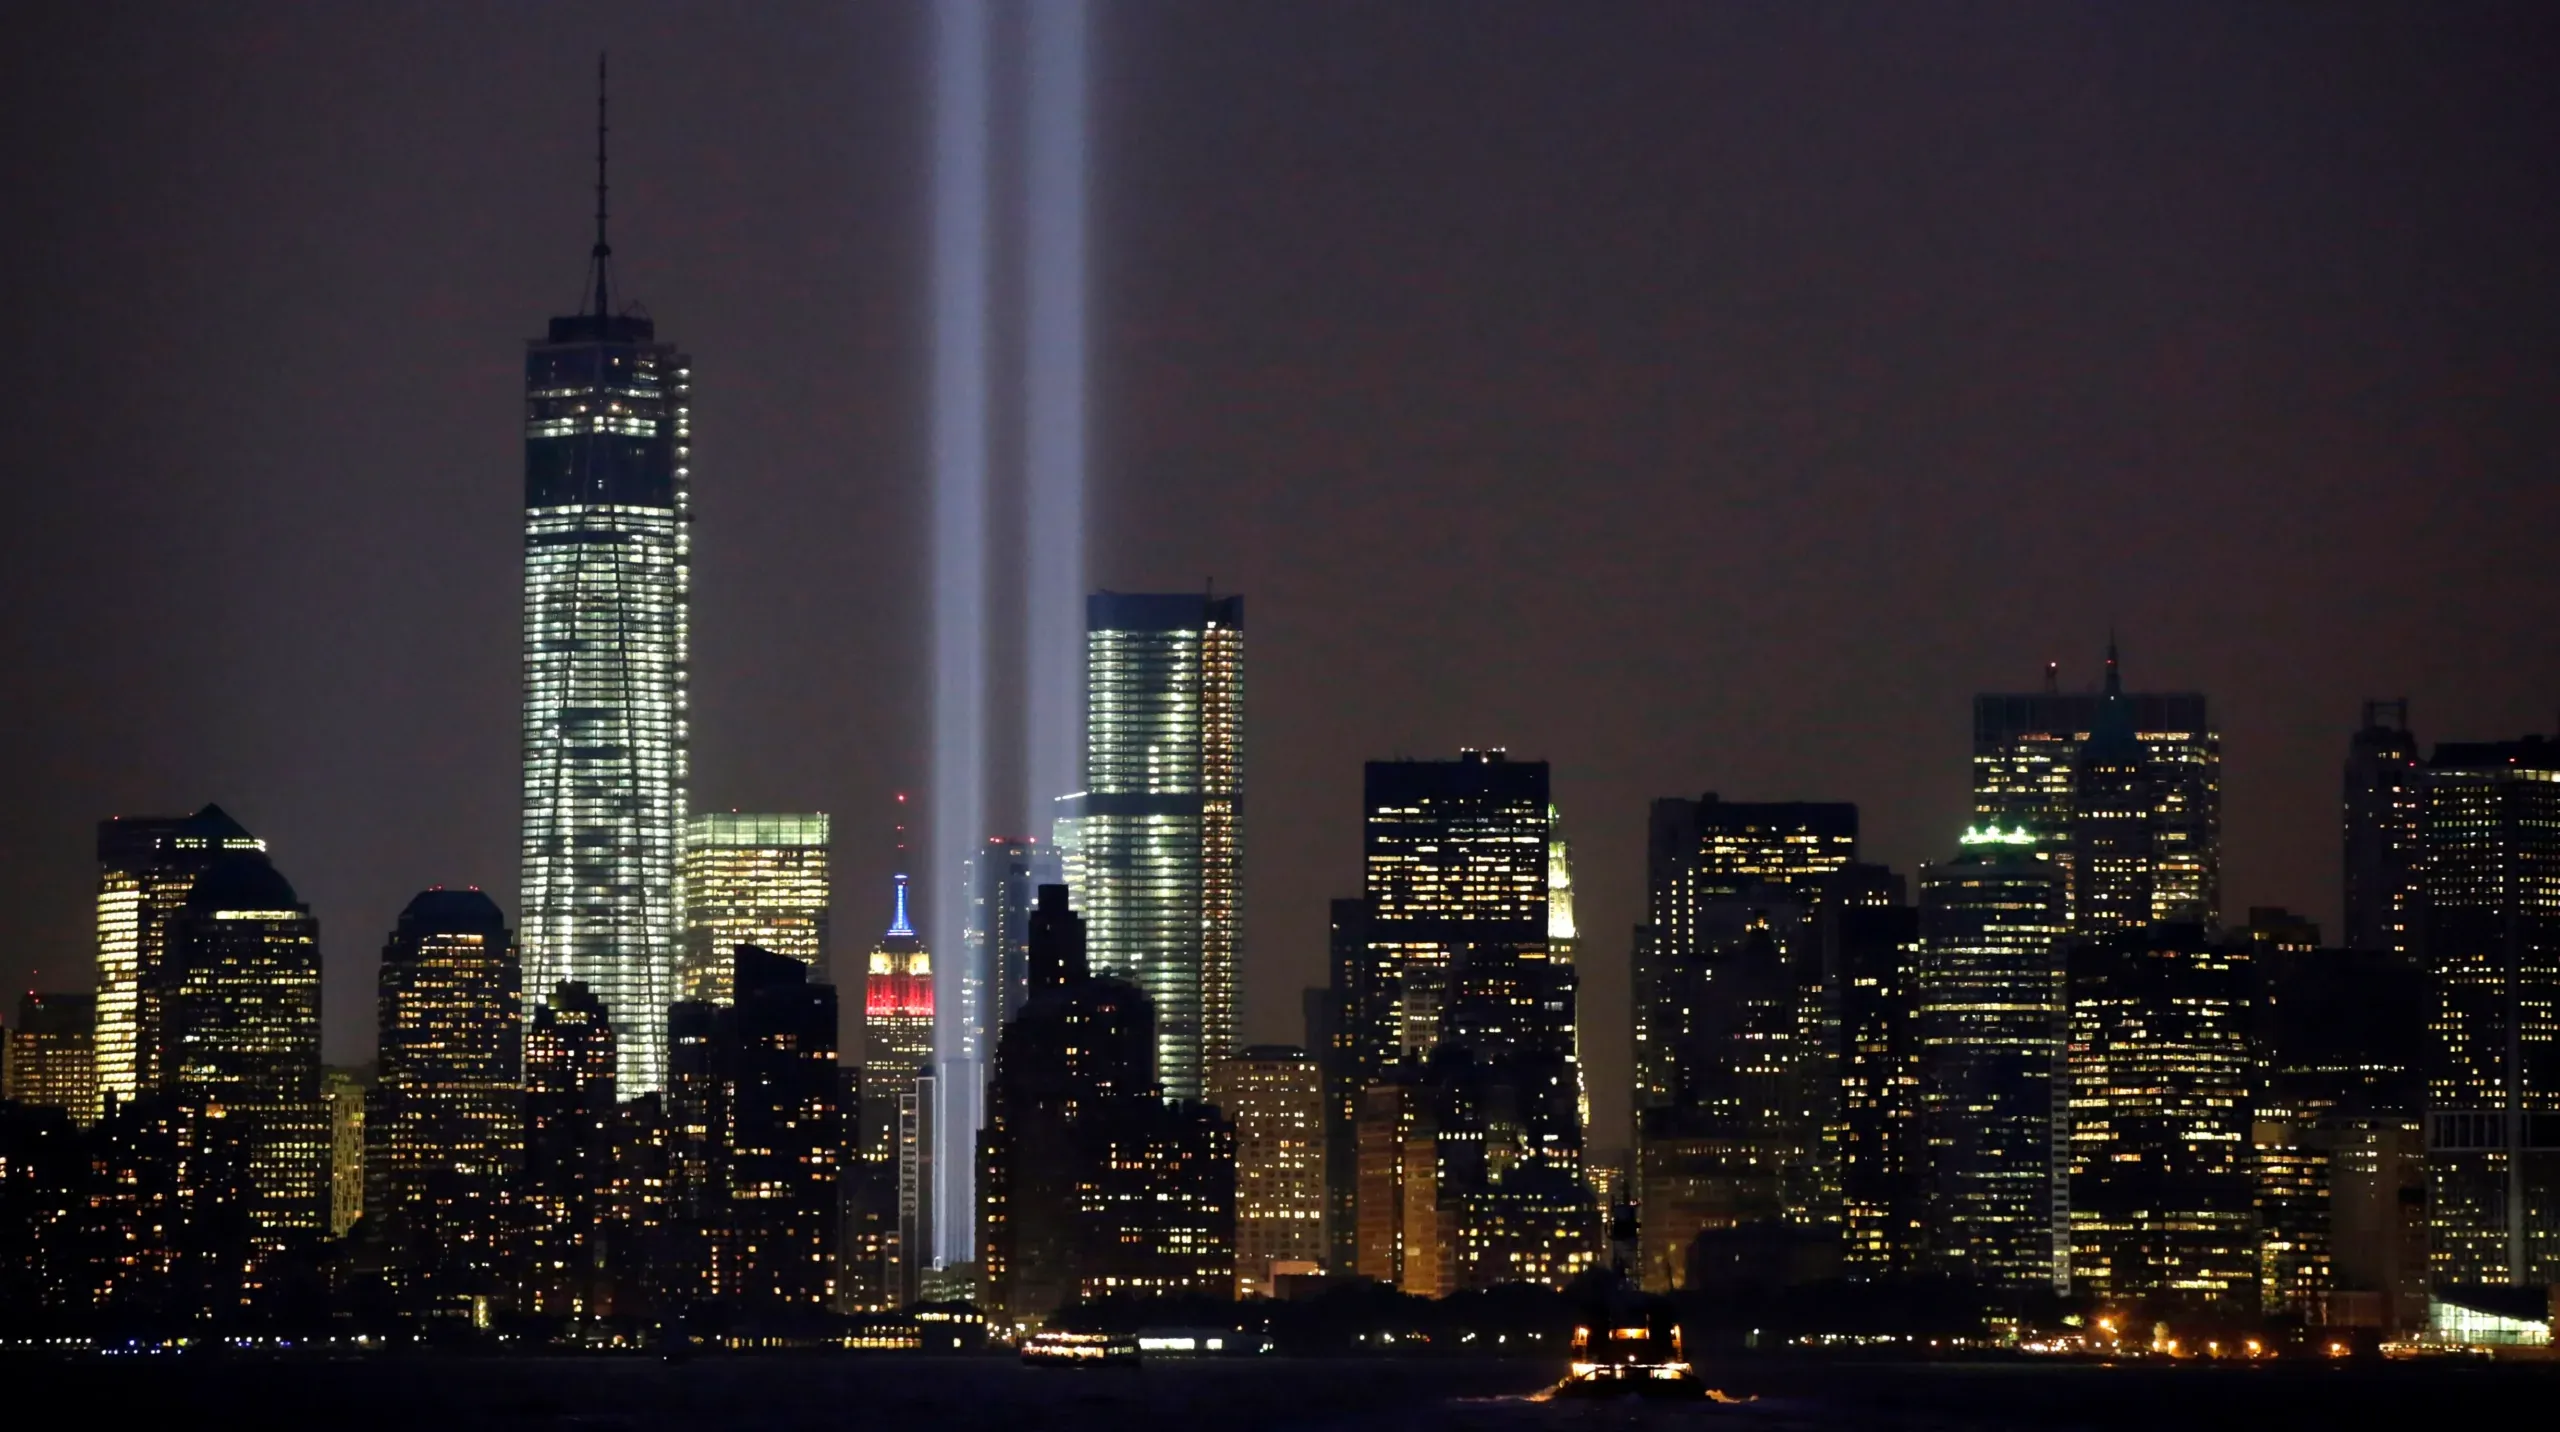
column 1641, row 1357
column 1080, row 1350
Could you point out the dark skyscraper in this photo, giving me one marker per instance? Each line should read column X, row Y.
column 607, row 591
column 2028, row 774
column 1988, row 1016
column 1089, row 1183
column 2488, row 931
column 244, row 1035
column 774, row 1248
column 1870, row 941
column 2381, row 805
column 444, row 1130
column 569, row 1062
column 1163, row 813
column 146, row 866
column 1702, row 851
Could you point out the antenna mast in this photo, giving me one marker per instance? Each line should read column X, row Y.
column 602, row 250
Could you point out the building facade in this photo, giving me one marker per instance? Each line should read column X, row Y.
column 775, row 1231
column 2381, row 805
column 2488, row 932
column 52, row 1056
column 1160, row 821
column 2162, row 1190
column 756, row 880
column 2028, row 773
column 1699, row 853
column 1989, row 1026
column 146, row 866
column 1273, row 1096
column 570, row 1060
column 445, row 1126
column 244, row 1036
column 607, row 598
column 897, row 1027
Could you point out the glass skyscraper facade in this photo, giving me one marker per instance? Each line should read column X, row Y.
column 606, row 591
column 1988, row 1020
column 756, row 880
column 2379, row 805
column 1161, row 814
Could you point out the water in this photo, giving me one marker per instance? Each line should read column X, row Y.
column 898, row 1393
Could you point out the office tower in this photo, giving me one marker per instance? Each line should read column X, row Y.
column 607, row 597
column 570, row 1061
column 1709, row 850
column 2381, row 807
column 1089, row 1182
column 445, row 1128
column 993, row 979
column 1004, row 875
column 2340, row 1038
column 897, row 1027
column 52, row 1058
column 146, row 866
column 345, row 1091
column 916, row 1254
column 1988, row 1017
column 756, row 880
column 243, row 1033
column 1162, row 814
column 1870, row 939
column 1454, row 858
column 1390, row 1115
column 2115, row 839
column 2028, row 774
column 1273, row 1095
column 2161, row 1192
column 774, row 1245
column 867, row 1210
column 2488, row 930
column 1349, row 1065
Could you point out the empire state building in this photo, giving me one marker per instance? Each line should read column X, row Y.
column 607, row 586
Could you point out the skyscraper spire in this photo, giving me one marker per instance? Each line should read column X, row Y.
column 603, row 251
column 898, row 925
column 2115, row 684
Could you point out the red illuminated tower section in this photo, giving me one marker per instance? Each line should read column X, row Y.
column 897, row 1026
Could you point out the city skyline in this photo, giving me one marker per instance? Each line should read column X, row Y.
column 1431, row 670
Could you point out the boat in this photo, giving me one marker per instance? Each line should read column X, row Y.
column 1057, row 1349
column 1633, row 1356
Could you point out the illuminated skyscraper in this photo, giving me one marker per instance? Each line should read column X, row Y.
column 1162, row 814
column 1455, row 859
column 1989, row 1021
column 987, row 985
column 1700, row 852
column 2028, row 774
column 345, row 1090
column 52, row 1060
column 1870, row 940
column 146, row 866
column 2162, row 1199
column 244, row 1035
column 2382, row 800
column 607, row 590
column 897, row 1028
column 2488, row 927
column 756, row 880
column 445, row 1126
column 1274, row 1096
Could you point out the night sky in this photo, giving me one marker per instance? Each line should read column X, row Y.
column 1698, row 396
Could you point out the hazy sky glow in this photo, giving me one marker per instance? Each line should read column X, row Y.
column 1697, row 395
